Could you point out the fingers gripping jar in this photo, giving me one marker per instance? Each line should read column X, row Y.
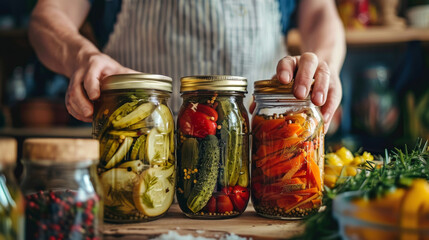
column 11, row 200
column 136, row 133
column 61, row 189
column 287, row 153
column 213, row 147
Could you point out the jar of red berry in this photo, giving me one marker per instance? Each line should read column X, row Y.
column 287, row 153
column 61, row 189
column 213, row 147
column 11, row 201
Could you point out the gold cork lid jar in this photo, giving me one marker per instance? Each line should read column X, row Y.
column 137, row 81
column 213, row 83
column 60, row 150
column 8, row 148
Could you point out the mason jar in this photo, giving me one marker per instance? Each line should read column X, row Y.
column 213, row 147
column 287, row 153
column 135, row 128
column 61, row 189
column 11, row 200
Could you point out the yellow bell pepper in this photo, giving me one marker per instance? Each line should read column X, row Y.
column 345, row 155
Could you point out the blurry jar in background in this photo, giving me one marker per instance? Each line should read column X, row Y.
column 135, row 128
column 61, row 189
column 287, row 153
column 375, row 106
column 354, row 14
column 11, row 200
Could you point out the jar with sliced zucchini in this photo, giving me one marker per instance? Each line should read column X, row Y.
column 213, row 147
column 135, row 128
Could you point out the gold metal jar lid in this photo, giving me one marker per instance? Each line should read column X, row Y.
column 8, row 148
column 213, row 83
column 60, row 150
column 273, row 86
column 137, row 81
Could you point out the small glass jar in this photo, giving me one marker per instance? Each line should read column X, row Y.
column 135, row 128
column 287, row 153
column 11, row 200
column 213, row 147
column 61, row 189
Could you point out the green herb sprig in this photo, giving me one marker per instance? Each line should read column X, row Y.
column 398, row 170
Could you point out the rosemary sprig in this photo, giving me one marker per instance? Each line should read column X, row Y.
column 398, row 169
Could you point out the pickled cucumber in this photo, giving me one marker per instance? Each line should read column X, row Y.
column 140, row 143
column 111, row 151
column 163, row 120
column 234, row 141
column 117, row 184
column 157, row 147
column 207, row 174
column 140, row 113
column 136, row 166
column 189, row 161
column 154, row 192
column 118, row 113
column 120, row 154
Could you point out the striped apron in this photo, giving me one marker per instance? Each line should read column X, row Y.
column 195, row 37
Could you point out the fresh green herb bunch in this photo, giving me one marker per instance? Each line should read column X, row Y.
column 398, row 170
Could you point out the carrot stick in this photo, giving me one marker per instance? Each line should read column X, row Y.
column 285, row 130
column 314, row 172
column 285, row 166
column 303, row 202
column 295, row 168
column 270, row 147
column 267, row 126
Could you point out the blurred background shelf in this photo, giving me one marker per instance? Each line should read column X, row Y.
column 79, row 132
column 372, row 36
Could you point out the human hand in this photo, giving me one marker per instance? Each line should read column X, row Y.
column 327, row 90
column 84, row 85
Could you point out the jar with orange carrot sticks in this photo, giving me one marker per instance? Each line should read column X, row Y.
column 287, row 153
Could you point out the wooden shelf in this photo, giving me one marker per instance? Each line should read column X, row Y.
column 372, row 36
column 68, row 132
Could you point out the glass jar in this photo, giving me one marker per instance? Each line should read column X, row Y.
column 213, row 147
column 287, row 153
column 135, row 128
column 11, row 200
column 61, row 189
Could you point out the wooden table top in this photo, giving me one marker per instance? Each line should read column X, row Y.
column 249, row 224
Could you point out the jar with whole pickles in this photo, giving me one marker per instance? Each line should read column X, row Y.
column 213, row 147
column 11, row 200
column 135, row 128
column 287, row 153
column 61, row 189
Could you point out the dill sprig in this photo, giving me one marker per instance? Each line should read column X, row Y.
column 398, row 170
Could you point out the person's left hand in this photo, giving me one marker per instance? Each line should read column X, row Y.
column 327, row 91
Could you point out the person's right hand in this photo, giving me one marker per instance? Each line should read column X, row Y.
column 84, row 85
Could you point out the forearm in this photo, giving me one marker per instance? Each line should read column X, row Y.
column 322, row 32
column 56, row 38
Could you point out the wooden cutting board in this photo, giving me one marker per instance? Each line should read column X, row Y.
column 249, row 224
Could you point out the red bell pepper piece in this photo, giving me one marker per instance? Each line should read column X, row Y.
column 198, row 123
column 224, row 204
column 239, row 197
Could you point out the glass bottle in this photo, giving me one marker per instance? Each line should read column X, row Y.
column 213, row 147
column 61, row 189
column 11, row 200
column 287, row 153
column 135, row 128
